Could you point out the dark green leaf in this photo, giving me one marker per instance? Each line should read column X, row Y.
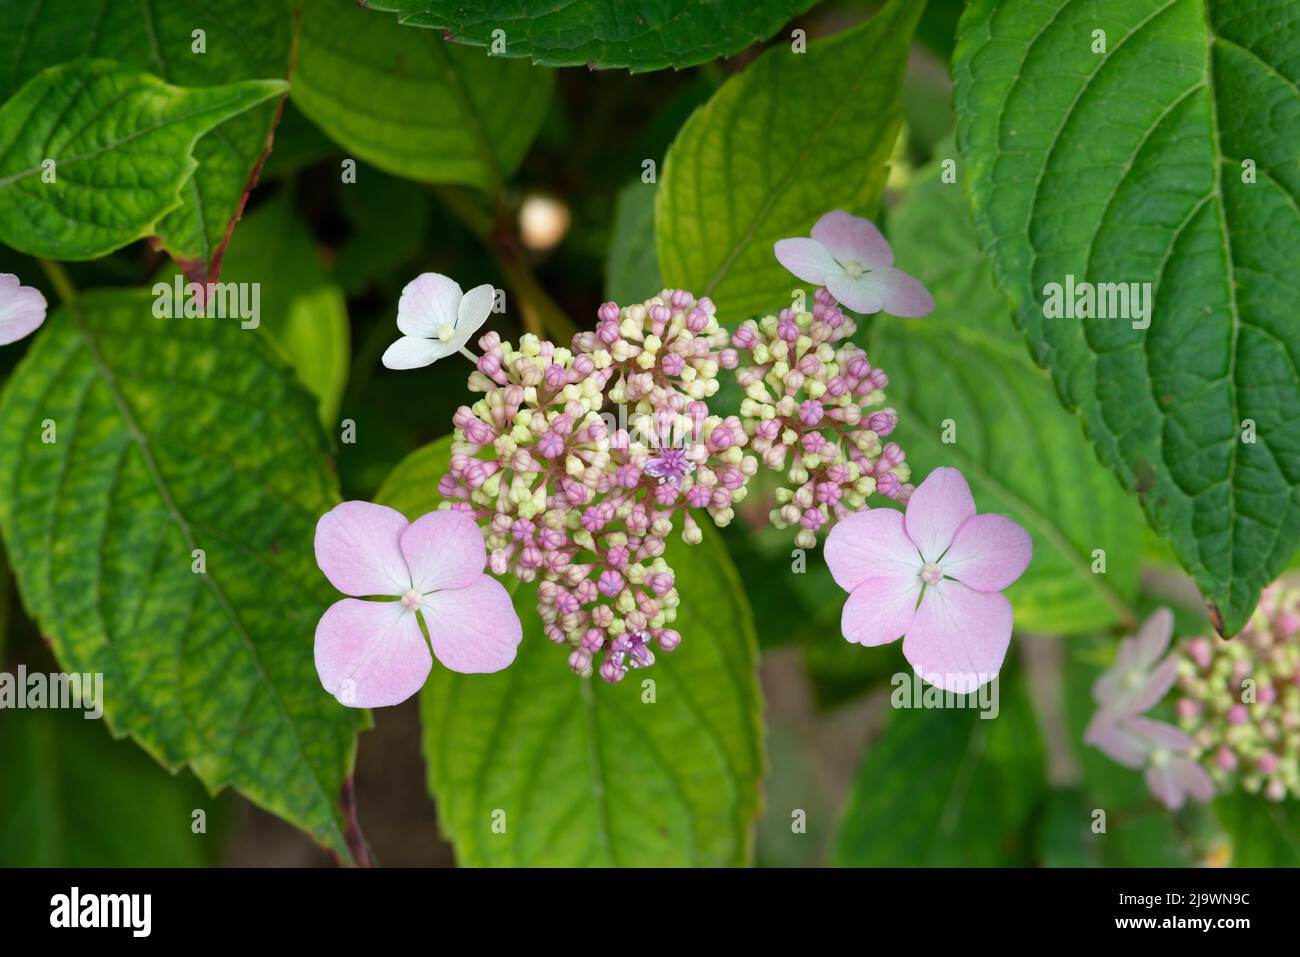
column 171, row 435
column 605, row 33
column 1167, row 159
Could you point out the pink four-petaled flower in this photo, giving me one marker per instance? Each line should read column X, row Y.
column 372, row 653
column 849, row 256
column 933, row 575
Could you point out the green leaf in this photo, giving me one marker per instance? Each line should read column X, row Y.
column 1263, row 833
column 946, row 787
column 605, row 33
column 793, row 136
column 72, row 797
column 242, row 41
column 173, row 435
column 412, row 104
column 121, row 141
column 302, row 309
column 1127, row 167
column 1023, row 455
column 631, row 267
column 586, row 773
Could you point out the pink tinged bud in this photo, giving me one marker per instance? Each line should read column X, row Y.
column 697, row 496
column 550, row 445
column 661, row 583
column 1267, row 694
column 811, row 412
column 882, row 423
column 823, row 296
column 812, row 518
column 1226, row 759
column 673, row 364
column 878, row 378
column 610, row 583
column 667, row 639
column 530, row 557
column 499, row 562
column 1201, row 652
column 665, row 494
column 888, row 485
column 1268, row 762
column 556, row 377
column 1238, row 714
column 788, row 330
column 1287, row 625
column 858, row 367
column 555, row 633
column 567, row 603
column 608, row 312
column 660, row 314
column 448, row 486
column 744, row 337
column 837, row 387
column 892, row 455
column 607, row 332
column 697, row 319
column 593, row 640
column 1188, row 709
column 722, row 438
column 616, row 557
column 612, row 671
column 579, row 661
column 728, row 358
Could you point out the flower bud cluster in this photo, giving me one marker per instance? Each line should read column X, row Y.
column 814, row 409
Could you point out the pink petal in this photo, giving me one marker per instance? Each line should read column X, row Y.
column 1105, row 733
column 358, row 548
column 853, row 239
column 22, row 309
column 904, row 295
column 936, row 510
column 443, row 549
column 1193, row 779
column 1160, row 734
column 1157, row 684
column 807, row 259
column 880, row 610
column 870, row 544
column 410, row 352
column 988, row 552
column 371, row 654
column 959, row 637
column 429, row 303
column 864, row 294
column 1164, row 786
column 473, row 629
column 1152, row 639
column 474, row 310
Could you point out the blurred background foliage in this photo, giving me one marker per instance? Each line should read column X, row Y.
column 849, row 781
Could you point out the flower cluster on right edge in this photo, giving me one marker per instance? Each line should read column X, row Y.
column 1237, row 706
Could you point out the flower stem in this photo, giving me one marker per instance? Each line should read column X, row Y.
column 60, row 280
column 541, row 315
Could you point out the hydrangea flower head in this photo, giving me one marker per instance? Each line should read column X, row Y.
column 22, row 309
column 934, row 576
column 436, row 320
column 582, row 498
column 1239, row 700
column 849, row 256
column 815, row 411
column 372, row 653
